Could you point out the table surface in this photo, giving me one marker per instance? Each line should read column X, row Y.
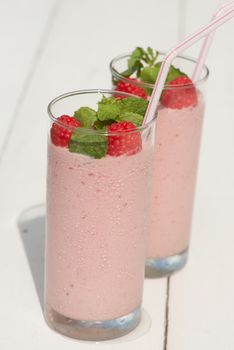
column 49, row 47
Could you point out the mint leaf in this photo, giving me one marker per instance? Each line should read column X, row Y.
column 136, row 55
column 101, row 125
column 174, row 73
column 153, row 55
column 134, row 105
column 111, row 110
column 135, row 67
column 138, row 52
column 87, row 116
column 134, row 62
column 106, row 112
column 150, row 52
column 149, row 74
column 94, row 146
column 134, row 118
column 143, row 63
column 108, row 108
column 109, row 101
column 138, row 58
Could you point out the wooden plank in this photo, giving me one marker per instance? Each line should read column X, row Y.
column 23, row 27
column 81, row 43
column 201, row 296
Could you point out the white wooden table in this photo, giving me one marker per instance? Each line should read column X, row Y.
column 49, row 47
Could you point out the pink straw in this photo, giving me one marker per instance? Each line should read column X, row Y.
column 208, row 41
column 166, row 63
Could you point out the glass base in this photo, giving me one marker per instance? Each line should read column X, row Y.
column 156, row 268
column 92, row 330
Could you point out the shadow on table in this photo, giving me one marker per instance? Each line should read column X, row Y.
column 31, row 224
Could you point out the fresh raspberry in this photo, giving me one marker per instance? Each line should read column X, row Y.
column 124, row 142
column 60, row 135
column 180, row 97
column 131, row 88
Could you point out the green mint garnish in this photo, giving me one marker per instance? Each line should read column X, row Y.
column 174, row 73
column 113, row 109
column 152, row 55
column 108, row 108
column 87, row 116
column 134, row 118
column 138, row 58
column 143, row 64
column 101, row 125
column 150, row 74
column 134, row 105
column 134, row 62
column 94, row 146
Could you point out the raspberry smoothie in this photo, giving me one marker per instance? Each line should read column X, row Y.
column 98, row 203
column 177, row 150
column 178, row 134
column 95, row 262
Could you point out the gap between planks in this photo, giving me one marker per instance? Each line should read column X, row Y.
column 166, row 314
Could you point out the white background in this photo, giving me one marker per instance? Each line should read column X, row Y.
column 52, row 46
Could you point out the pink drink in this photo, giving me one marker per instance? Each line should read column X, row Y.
column 176, row 158
column 97, row 230
column 178, row 133
column 95, row 262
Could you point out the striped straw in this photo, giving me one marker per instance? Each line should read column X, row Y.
column 166, row 63
column 208, row 41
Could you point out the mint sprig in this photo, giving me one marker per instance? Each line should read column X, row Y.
column 86, row 116
column 134, row 118
column 134, row 105
column 114, row 110
column 174, row 73
column 94, row 146
column 150, row 74
column 101, row 125
column 144, row 64
column 138, row 58
column 110, row 110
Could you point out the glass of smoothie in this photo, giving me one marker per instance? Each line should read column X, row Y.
column 178, row 134
column 98, row 203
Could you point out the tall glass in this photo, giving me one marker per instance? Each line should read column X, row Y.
column 178, row 137
column 97, row 228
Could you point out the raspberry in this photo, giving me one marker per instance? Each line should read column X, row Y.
column 131, row 88
column 180, row 97
column 60, row 136
column 124, row 142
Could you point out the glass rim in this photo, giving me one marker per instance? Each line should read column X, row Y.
column 119, row 76
column 93, row 131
